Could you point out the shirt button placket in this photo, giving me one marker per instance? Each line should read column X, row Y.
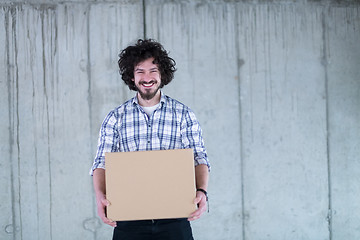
column 149, row 134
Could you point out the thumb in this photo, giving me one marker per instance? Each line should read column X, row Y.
column 197, row 200
column 105, row 202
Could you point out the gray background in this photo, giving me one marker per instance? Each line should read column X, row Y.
column 275, row 85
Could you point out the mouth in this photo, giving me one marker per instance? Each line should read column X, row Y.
column 147, row 84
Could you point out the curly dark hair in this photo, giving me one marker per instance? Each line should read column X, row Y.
column 142, row 50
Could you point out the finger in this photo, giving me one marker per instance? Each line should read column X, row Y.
column 195, row 215
column 201, row 209
column 102, row 215
column 113, row 224
column 109, row 222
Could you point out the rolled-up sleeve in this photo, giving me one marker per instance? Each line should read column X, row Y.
column 191, row 133
column 108, row 141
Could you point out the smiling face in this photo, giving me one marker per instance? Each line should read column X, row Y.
column 147, row 81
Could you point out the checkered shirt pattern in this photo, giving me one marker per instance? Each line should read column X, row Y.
column 171, row 126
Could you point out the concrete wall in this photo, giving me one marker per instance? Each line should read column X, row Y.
column 275, row 85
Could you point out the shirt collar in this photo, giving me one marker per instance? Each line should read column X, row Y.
column 162, row 98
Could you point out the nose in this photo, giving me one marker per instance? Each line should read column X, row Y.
column 147, row 77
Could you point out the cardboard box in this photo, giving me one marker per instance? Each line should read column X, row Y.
column 150, row 184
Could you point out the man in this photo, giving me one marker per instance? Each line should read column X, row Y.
column 150, row 121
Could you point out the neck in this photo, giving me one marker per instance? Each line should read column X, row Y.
column 149, row 102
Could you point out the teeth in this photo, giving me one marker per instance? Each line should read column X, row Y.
column 148, row 85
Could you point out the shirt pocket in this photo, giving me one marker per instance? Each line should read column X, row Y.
column 169, row 136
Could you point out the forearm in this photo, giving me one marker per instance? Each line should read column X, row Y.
column 100, row 191
column 202, row 176
column 99, row 182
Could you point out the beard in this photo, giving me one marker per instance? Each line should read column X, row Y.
column 147, row 94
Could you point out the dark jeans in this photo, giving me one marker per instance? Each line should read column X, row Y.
column 164, row 229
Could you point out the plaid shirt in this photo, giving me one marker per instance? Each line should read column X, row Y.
column 128, row 128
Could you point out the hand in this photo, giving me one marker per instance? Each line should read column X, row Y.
column 200, row 200
column 102, row 203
